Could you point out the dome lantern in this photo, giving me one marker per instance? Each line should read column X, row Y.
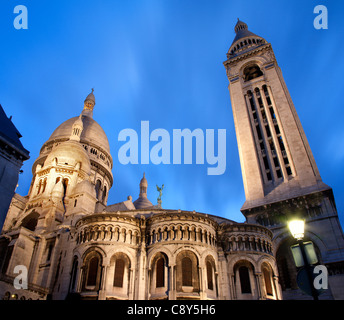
column 89, row 104
column 142, row 201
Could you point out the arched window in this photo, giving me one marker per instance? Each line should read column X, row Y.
column 210, row 276
column 186, row 272
column 44, row 184
column 267, row 280
column 104, row 193
column 98, row 184
column 160, row 273
column 244, row 280
column 119, row 273
column 251, row 72
column 92, row 272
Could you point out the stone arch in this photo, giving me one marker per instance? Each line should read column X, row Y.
column 30, row 220
column 187, row 272
column 287, row 269
column 244, row 280
column 252, row 71
column 158, row 274
column 121, row 263
column 120, row 274
column 268, row 276
column 256, row 61
column 309, row 236
column 91, row 269
column 211, row 273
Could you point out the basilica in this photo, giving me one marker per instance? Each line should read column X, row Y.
column 74, row 245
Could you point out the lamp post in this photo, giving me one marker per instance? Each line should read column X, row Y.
column 297, row 229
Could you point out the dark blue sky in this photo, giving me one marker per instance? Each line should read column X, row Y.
column 161, row 61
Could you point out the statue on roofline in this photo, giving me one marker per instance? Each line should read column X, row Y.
column 160, row 194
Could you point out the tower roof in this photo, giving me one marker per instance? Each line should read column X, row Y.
column 242, row 32
column 10, row 134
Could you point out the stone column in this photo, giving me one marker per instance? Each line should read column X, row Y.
column 202, row 283
column 276, row 287
column 171, row 283
column 260, row 285
column 232, row 286
column 223, row 283
column 102, row 287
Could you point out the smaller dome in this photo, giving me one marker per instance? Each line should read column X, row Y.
column 142, row 201
column 69, row 153
column 143, row 182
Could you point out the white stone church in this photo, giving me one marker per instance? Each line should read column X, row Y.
column 76, row 246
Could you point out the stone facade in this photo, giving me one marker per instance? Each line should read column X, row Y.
column 75, row 246
column 148, row 253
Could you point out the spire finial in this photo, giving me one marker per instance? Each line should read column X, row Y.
column 240, row 26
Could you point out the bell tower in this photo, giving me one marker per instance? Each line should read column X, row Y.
column 281, row 178
column 275, row 157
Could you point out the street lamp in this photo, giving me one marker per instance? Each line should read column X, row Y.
column 297, row 229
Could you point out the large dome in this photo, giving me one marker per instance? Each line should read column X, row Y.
column 89, row 136
column 92, row 132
